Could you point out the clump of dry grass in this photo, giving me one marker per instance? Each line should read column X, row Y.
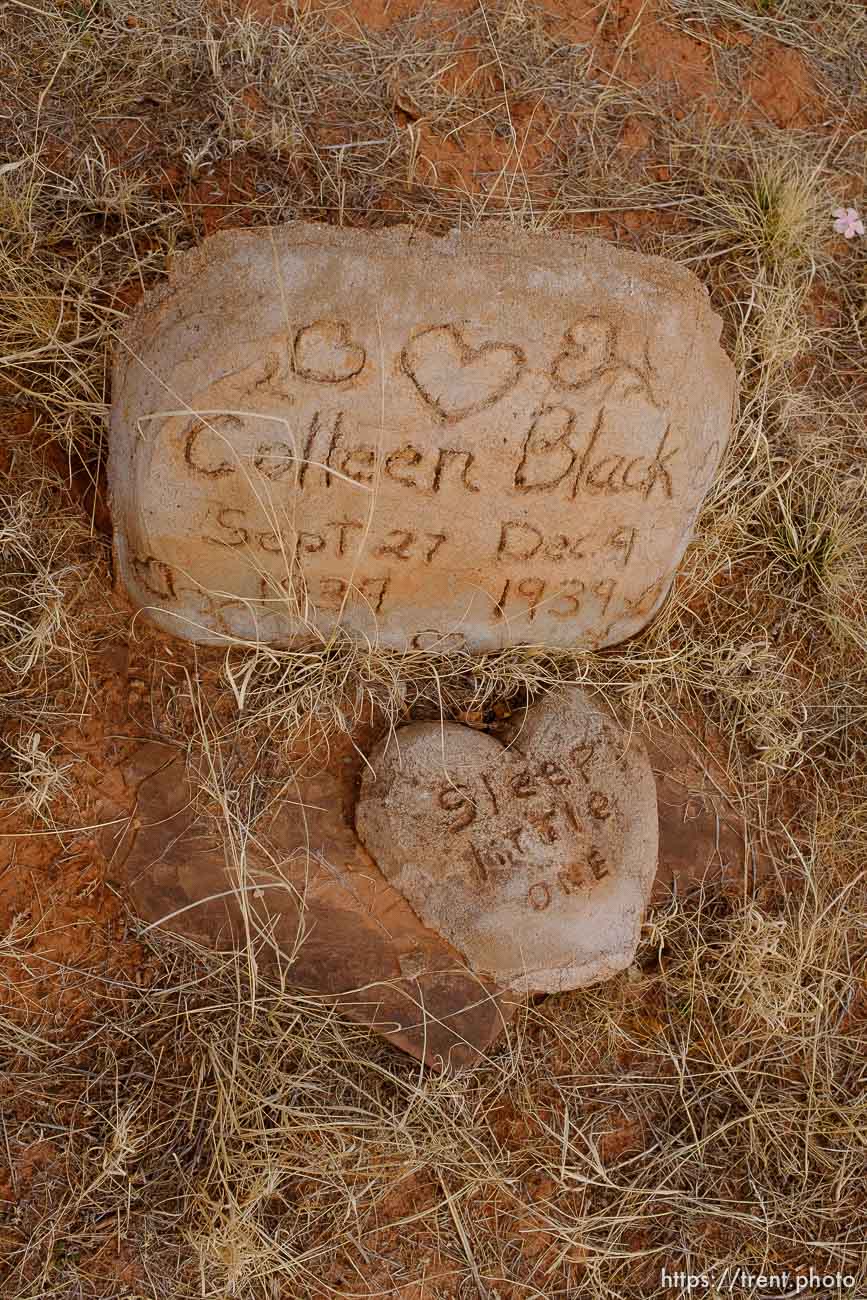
column 36, row 775
column 48, row 567
column 58, row 299
column 346, row 681
column 54, row 613
column 811, row 534
column 769, row 210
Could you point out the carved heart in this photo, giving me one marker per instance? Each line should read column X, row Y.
column 534, row 859
column 456, row 380
column 325, row 353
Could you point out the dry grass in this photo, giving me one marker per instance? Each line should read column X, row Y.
column 54, row 613
column 706, row 1106
column 198, row 1131
column 43, row 580
column 37, row 774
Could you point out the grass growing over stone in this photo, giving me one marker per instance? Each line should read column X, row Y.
column 186, row 1131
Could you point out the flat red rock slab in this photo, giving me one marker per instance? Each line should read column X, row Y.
column 360, row 943
column 355, row 939
column 707, row 834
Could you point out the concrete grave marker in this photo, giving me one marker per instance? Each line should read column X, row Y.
column 475, row 441
column 534, row 859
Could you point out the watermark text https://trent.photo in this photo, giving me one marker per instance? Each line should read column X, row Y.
column 737, row 1280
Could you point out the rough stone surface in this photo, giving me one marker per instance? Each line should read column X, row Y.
column 536, row 858
column 708, row 832
column 487, row 439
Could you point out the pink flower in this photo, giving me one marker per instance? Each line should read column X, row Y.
column 848, row 222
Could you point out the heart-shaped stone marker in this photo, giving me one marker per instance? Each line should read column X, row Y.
column 456, row 380
column 534, row 858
